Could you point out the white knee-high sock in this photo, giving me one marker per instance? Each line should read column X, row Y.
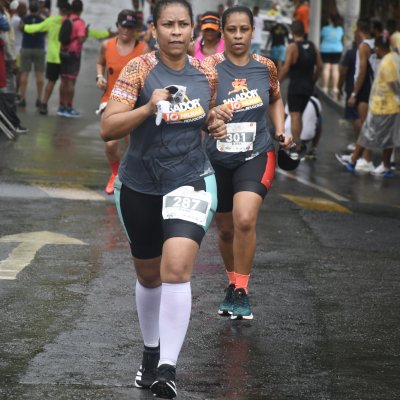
column 175, row 308
column 148, row 309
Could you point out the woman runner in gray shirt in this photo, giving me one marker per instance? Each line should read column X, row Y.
column 244, row 162
column 165, row 190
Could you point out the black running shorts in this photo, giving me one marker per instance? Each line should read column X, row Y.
column 297, row 102
column 141, row 216
column 255, row 175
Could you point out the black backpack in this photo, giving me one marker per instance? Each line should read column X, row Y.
column 65, row 35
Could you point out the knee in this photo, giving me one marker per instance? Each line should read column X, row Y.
column 178, row 273
column 244, row 222
column 148, row 277
column 149, row 281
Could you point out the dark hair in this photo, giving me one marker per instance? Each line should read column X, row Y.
column 77, row 6
column 34, row 7
column 237, row 9
column 64, row 5
column 364, row 25
column 391, row 25
column 165, row 3
column 377, row 25
column 336, row 20
column 298, row 28
column 383, row 42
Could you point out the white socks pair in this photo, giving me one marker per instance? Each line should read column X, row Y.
column 164, row 314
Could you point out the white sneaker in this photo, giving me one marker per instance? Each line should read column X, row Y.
column 364, row 166
column 346, row 158
column 351, row 147
column 381, row 170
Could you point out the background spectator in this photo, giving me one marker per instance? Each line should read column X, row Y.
column 257, row 34
column 331, row 49
column 32, row 53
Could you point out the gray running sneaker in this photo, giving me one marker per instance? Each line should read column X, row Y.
column 241, row 305
column 226, row 306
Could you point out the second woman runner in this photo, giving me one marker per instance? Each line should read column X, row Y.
column 244, row 162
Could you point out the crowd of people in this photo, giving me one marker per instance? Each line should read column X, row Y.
column 190, row 101
column 26, row 47
column 370, row 74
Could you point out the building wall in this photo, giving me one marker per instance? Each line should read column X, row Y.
column 201, row 6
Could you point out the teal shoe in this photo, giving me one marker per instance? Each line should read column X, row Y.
column 241, row 305
column 226, row 306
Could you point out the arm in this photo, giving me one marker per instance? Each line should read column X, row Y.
column 276, row 112
column 119, row 119
column 35, row 28
column 98, row 34
column 291, row 58
column 4, row 25
column 276, row 109
column 101, row 82
column 318, row 66
column 364, row 53
column 344, row 71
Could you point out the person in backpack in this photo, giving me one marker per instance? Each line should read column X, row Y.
column 312, row 126
column 52, row 26
column 70, row 57
column 303, row 64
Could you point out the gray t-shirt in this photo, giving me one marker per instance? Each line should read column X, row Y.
column 162, row 158
column 247, row 91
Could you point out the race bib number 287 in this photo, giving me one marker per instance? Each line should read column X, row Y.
column 187, row 204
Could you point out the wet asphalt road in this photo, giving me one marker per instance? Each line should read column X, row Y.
column 324, row 290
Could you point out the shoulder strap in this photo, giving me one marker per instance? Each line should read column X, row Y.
column 314, row 103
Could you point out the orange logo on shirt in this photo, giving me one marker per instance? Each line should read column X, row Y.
column 241, row 97
column 239, row 85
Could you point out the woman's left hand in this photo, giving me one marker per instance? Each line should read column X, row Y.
column 216, row 126
column 285, row 141
column 223, row 112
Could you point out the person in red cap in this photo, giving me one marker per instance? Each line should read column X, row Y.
column 114, row 55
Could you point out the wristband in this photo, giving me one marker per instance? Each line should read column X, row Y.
column 353, row 94
column 99, row 76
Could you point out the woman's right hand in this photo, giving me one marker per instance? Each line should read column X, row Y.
column 158, row 95
column 101, row 83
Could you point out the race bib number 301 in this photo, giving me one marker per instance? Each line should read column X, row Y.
column 240, row 137
column 187, row 204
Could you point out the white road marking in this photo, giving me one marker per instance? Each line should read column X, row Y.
column 71, row 193
column 30, row 244
column 312, row 185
